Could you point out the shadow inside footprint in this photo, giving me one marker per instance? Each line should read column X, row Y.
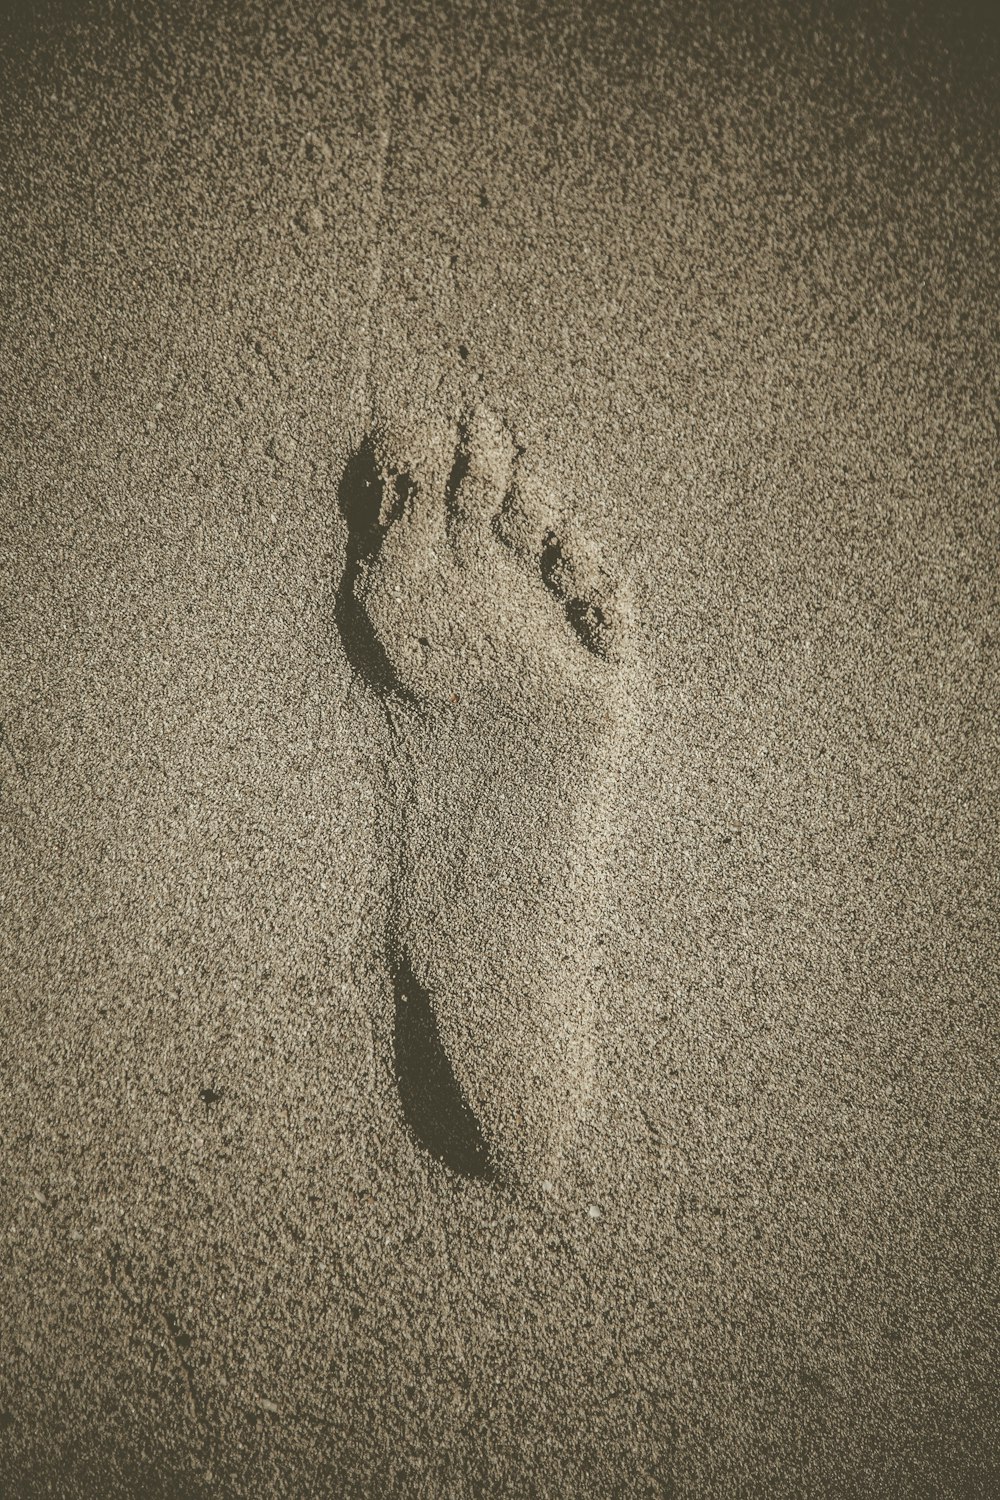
column 360, row 498
column 433, row 1105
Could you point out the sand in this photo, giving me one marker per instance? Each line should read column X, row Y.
column 585, row 1087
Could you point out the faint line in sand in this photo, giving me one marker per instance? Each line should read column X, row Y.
column 384, row 146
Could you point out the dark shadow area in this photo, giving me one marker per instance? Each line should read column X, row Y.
column 360, row 497
column 433, row 1104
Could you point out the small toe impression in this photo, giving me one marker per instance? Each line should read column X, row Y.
column 587, row 609
column 527, row 515
column 433, row 1104
column 591, row 621
column 480, row 474
column 529, row 525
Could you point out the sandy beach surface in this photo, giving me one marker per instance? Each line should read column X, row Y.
column 498, row 759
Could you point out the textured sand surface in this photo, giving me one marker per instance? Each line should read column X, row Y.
column 729, row 281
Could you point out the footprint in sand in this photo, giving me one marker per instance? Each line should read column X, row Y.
column 497, row 649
